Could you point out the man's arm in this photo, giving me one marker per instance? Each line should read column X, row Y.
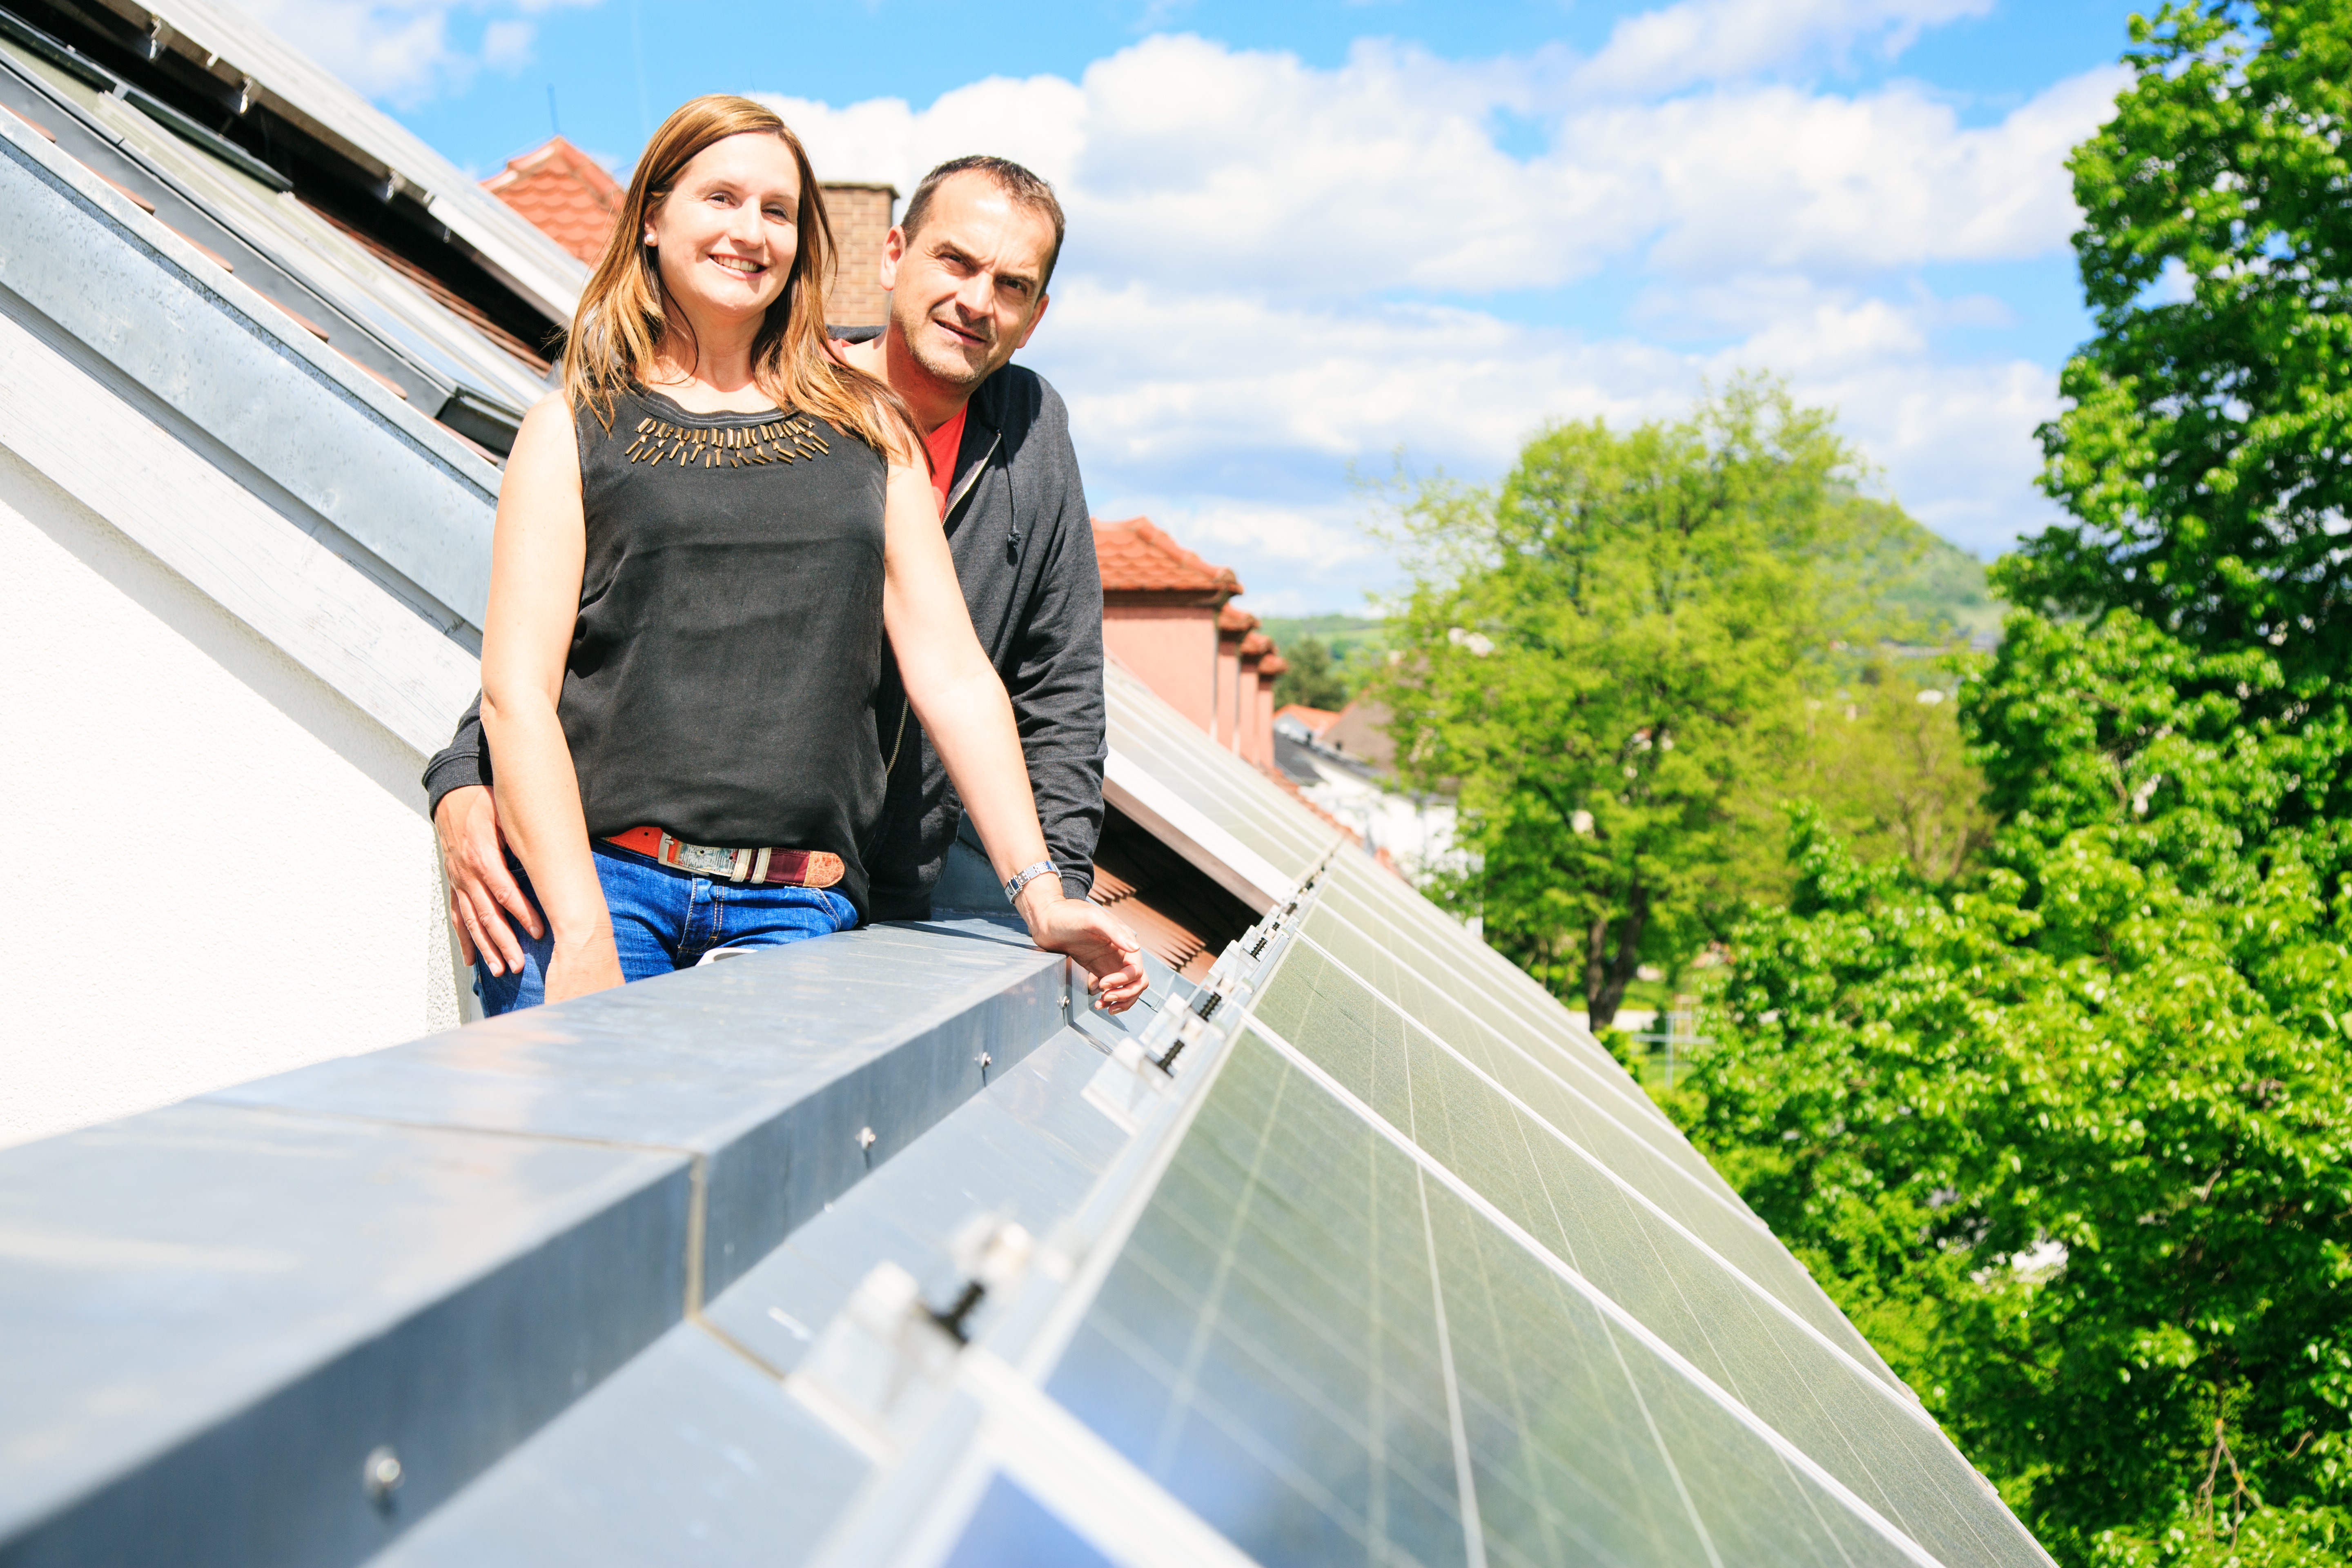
column 465, row 762
column 482, row 891
column 1056, row 673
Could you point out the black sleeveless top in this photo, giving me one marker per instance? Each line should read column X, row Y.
column 722, row 675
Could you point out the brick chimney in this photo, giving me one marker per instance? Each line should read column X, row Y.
column 861, row 222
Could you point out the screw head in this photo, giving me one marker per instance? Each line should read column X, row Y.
column 866, row 1138
column 380, row 1473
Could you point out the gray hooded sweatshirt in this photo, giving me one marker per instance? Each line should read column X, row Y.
column 1024, row 552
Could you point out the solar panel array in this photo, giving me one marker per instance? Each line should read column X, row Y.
column 1425, row 1277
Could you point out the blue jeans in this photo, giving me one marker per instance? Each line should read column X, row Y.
column 665, row 920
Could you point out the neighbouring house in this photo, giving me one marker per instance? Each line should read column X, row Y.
column 1165, row 609
column 1345, row 764
column 1301, row 722
column 1161, row 608
column 1236, row 685
column 1169, row 617
column 563, row 193
column 572, row 199
column 1360, row 731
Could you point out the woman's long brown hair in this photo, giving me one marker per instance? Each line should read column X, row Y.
column 617, row 330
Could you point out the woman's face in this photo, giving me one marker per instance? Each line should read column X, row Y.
column 726, row 233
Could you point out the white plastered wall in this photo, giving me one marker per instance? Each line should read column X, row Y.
column 216, row 867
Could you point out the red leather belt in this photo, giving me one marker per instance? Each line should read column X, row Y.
column 790, row 867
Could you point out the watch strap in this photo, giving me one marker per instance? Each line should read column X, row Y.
column 1023, row 877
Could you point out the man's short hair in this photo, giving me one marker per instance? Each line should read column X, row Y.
column 1025, row 188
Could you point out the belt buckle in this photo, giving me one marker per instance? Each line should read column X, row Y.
column 702, row 859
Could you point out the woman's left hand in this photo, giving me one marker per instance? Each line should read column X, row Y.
column 1085, row 934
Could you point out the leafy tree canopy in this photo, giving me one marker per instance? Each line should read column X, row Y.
column 2207, row 459
column 1608, row 654
column 1314, row 678
column 2072, row 1140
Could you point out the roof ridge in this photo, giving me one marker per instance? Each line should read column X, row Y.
column 1136, row 555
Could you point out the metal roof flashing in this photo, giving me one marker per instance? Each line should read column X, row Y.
column 245, row 57
column 151, row 309
column 343, row 1292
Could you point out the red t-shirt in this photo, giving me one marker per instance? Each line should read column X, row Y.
column 941, row 445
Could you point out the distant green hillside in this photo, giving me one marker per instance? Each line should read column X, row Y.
column 1945, row 593
column 1343, row 635
column 1329, row 656
column 1939, row 595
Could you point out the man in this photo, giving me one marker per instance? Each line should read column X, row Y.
column 966, row 269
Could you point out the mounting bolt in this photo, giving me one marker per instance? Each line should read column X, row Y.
column 866, row 1138
column 986, row 1061
column 380, row 1475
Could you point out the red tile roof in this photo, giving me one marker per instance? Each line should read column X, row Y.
column 1312, row 718
column 1258, row 645
column 565, row 194
column 1232, row 622
column 1136, row 557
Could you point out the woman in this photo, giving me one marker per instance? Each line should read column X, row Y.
column 702, row 542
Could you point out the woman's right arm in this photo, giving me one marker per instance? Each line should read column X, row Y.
column 536, row 559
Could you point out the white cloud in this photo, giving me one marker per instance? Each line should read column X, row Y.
column 1778, row 177
column 1273, row 267
column 1039, row 122
column 1180, row 158
column 1158, row 377
column 405, row 52
column 505, row 44
column 1710, row 40
column 1172, row 396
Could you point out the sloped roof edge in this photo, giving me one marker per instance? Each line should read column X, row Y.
column 1138, row 556
column 233, row 48
column 336, row 454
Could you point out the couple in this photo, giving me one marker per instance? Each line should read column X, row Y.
column 703, row 541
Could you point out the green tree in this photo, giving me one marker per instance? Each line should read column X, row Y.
column 2072, row 1139
column 2070, row 1136
column 1314, row 678
column 1882, row 759
column 2205, row 457
column 1605, row 656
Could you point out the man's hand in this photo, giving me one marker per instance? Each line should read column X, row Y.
column 1085, row 934
column 473, row 855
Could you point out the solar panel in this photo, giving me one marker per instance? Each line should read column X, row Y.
column 1226, row 790
column 1327, row 1354
column 1399, row 975
column 1797, row 1371
column 1424, row 1281
column 1010, row 1528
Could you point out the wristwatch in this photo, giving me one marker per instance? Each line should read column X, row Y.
column 1023, row 877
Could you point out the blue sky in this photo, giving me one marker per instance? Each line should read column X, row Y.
column 1305, row 236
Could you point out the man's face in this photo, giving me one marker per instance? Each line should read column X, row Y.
column 968, row 288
